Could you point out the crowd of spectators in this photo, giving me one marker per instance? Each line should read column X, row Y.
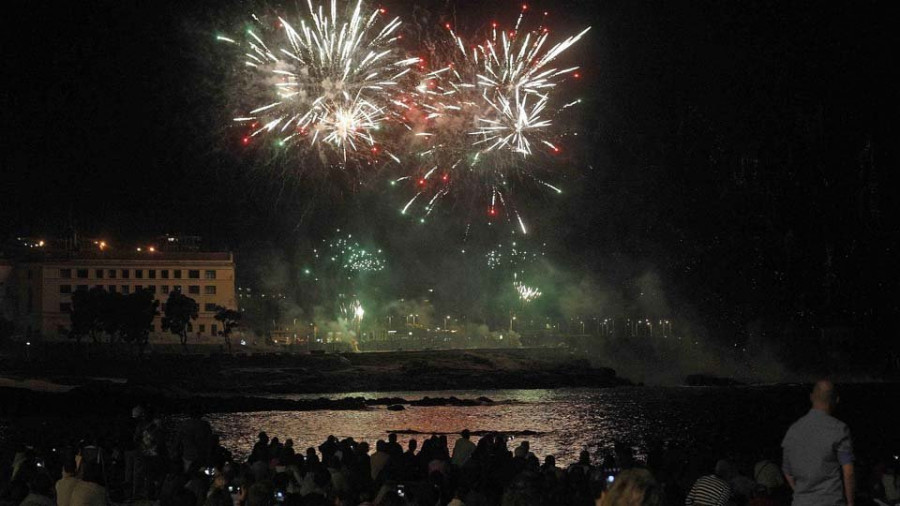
column 187, row 466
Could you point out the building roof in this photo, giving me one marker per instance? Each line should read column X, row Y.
column 95, row 257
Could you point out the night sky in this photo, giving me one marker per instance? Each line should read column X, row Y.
column 743, row 153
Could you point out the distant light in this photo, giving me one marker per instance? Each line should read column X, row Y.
column 139, row 249
column 151, row 249
column 102, row 245
column 41, row 244
column 28, row 343
column 243, row 343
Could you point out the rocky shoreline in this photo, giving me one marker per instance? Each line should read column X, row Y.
column 222, row 384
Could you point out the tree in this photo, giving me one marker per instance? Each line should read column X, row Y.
column 136, row 317
column 87, row 313
column 230, row 320
column 180, row 310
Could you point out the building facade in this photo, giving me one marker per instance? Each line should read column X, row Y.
column 43, row 286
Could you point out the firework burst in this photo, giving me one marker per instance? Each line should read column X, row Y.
column 489, row 110
column 343, row 256
column 526, row 293
column 325, row 84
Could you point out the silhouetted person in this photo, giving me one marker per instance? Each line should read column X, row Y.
column 818, row 454
column 462, row 449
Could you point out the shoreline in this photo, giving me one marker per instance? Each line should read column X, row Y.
column 232, row 383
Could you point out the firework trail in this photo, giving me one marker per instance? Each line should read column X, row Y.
column 325, row 85
column 489, row 110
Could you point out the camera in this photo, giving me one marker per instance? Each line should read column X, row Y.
column 401, row 490
column 210, row 471
column 279, row 495
column 611, row 478
column 234, row 489
column 39, row 463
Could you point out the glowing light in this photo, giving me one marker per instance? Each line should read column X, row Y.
column 333, row 73
column 487, row 108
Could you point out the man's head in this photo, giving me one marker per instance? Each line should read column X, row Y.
column 823, row 396
column 392, row 438
column 465, row 434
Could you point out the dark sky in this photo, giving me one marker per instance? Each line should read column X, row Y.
column 744, row 150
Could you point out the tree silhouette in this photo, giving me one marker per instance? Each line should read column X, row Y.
column 87, row 313
column 230, row 319
column 136, row 318
column 179, row 312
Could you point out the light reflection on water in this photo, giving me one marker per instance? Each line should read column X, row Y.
column 567, row 421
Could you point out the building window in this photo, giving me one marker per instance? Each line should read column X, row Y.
column 151, row 273
column 209, row 307
column 126, row 273
column 139, row 274
column 81, row 288
column 164, row 273
column 210, row 275
column 177, row 288
column 65, row 307
column 209, row 289
column 190, row 327
column 65, row 288
column 164, row 289
column 194, row 289
column 151, row 288
column 126, row 289
column 213, row 329
column 82, row 273
column 111, row 273
column 138, row 288
column 99, row 287
column 194, row 274
column 202, row 328
column 65, row 273
column 177, row 273
column 112, row 288
column 98, row 273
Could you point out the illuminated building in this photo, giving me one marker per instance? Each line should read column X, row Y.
column 38, row 288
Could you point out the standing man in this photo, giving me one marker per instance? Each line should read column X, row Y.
column 818, row 454
column 463, row 449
